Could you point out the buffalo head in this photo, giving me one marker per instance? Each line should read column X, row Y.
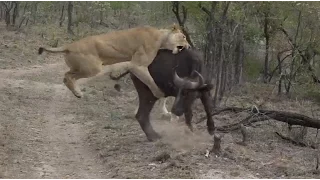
column 188, row 89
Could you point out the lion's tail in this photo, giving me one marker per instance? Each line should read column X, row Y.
column 53, row 50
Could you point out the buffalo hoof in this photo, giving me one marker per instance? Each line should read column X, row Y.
column 211, row 130
column 153, row 138
column 166, row 115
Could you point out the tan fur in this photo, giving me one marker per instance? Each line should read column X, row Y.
column 125, row 50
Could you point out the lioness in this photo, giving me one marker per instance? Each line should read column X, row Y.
column 125, row 50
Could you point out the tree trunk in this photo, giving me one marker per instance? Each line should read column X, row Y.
column 181, row 20
column 239, row 55
column 210, row 43
column 7, row 18
column 1, row 10
column 61, row 16
column 21, row 22
column 266, row 59
column 23, row 15
column 101, row 17
column 237, row 62
column 220, row 41
column 8, row 7
column 15, row 13
column 27, row 21
column 241, row 61
column 70, row 10
column 280, row 73
column 25, row 8
column 223, row 79
column 34, row 12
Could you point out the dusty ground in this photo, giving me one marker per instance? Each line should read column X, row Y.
column 45, row 132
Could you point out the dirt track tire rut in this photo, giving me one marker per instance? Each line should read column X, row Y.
column 43, row 140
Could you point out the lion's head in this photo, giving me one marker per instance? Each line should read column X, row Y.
column 176, row 40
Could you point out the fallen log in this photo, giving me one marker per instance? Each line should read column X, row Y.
column 257, row 115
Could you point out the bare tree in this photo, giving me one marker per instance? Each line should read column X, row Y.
column 34, row 12
column 220, row 54
column 211, row 43
column 1, row 11
column 181, row 20
column 70, row 10
column 61, row 16
column 23, row 15
column 239, row 56
column 15, row 13
column 223, row 49
column 8, row 6
column 267, row 37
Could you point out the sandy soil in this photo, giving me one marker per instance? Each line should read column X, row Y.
column 45, row 132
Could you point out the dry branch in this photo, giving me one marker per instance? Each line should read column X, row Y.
column 262, row 115
column 304, row 58
column 317, row 160
column 291, row 140
column 181, row 20
column 244, row 134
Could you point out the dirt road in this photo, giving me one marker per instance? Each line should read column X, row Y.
column 48, row 133
column 42, row 140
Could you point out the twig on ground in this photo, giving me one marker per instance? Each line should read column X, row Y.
column 317, row 160
column 207, row 153
column 235, row 126
column 291, row 140
column 244, row 134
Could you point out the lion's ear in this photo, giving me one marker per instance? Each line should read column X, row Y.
column 175, row 27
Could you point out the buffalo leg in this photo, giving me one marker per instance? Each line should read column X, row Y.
column 206, row 101
column 188, row 111
column 146, row 103
column 188, row 115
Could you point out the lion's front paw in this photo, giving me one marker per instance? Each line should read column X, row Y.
column 115, row 74
column 78, row 94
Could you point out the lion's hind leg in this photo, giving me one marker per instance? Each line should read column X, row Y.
column 70, row 81
column 80, row 67
column 143, row 74
column 139, row 67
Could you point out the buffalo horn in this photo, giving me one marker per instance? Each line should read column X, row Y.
column 178, row 81
column 188, row 84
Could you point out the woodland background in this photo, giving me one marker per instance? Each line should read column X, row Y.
column 266, row 42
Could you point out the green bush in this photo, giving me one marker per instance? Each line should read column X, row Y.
column 313, row 95
column 252, row 67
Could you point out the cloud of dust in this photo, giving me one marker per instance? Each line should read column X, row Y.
column 178, row 135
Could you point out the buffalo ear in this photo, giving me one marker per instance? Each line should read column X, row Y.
column 206, row 87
